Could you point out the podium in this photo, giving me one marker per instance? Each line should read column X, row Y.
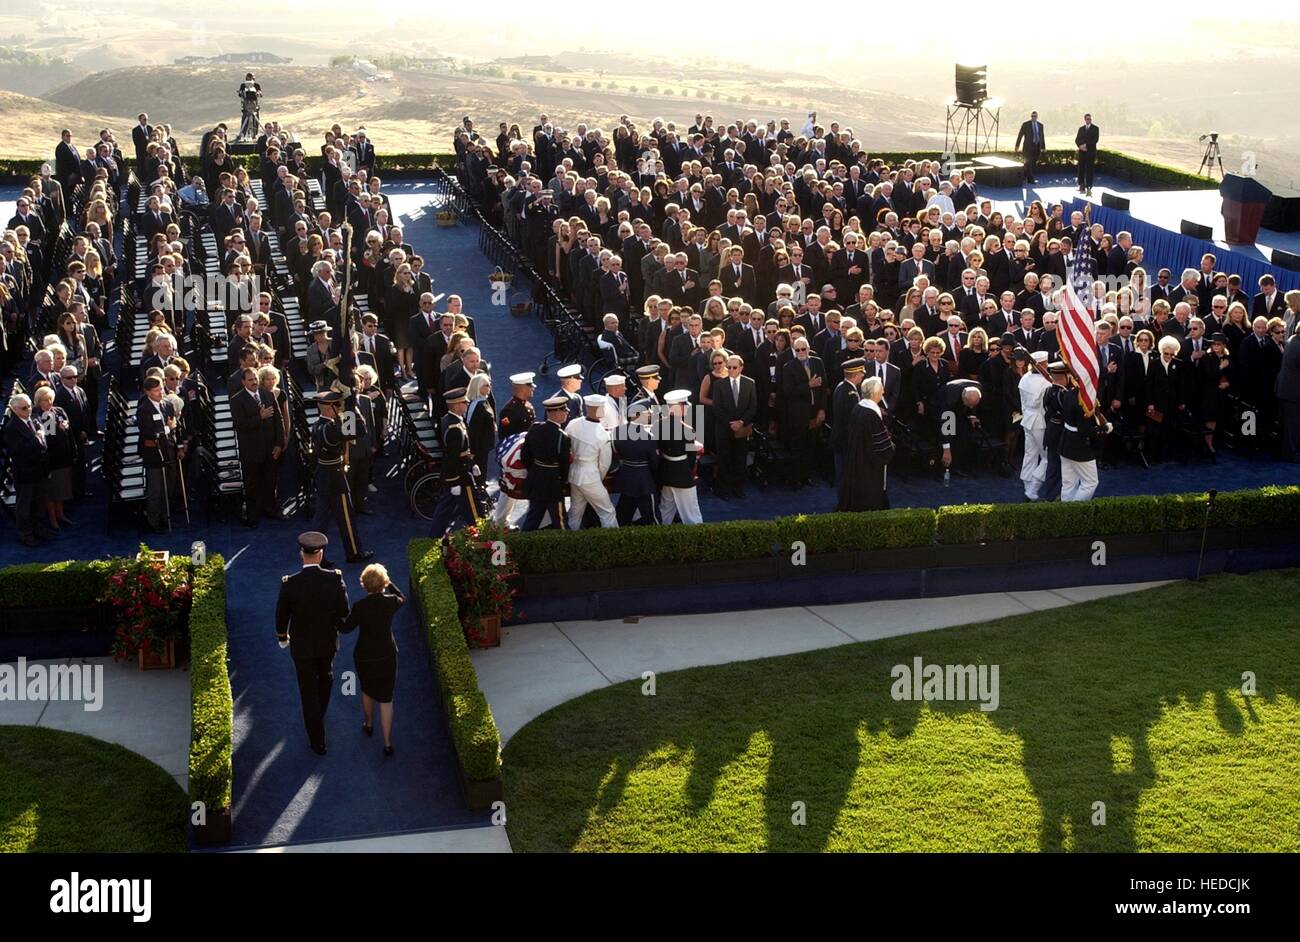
column 1244, row 202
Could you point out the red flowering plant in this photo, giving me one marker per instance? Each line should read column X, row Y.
column 150, row 600
column 483, row 575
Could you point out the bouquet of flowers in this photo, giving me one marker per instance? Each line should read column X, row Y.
column 482, row 573
column 150, row 599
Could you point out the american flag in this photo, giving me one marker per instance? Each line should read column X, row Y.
column 1079, row 345
column 1083, row 264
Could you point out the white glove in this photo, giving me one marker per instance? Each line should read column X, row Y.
column 283, row 645
column 455, row 492
column 1109, row 428
column 475, row 471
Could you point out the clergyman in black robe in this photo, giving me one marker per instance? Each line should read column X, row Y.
column 870, row 450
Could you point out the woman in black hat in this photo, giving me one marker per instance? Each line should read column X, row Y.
column 1215, row 375
column 322, row 356
column 375, row 655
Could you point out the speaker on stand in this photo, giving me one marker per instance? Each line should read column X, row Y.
column 1196, row 230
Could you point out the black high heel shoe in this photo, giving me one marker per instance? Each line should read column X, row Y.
column 368, row 730
column 388, row 750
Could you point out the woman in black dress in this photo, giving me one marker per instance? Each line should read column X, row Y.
column 376, row 651
column 481, row 420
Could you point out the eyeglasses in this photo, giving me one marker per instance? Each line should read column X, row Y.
column 733, row 366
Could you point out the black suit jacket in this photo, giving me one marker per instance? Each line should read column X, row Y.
column 257, row 436
column 310, row 611
column 28, row 457
column 743, row 285
column 727, row 408
column 800, row 400
column 1026, row 136
column 1087, row 137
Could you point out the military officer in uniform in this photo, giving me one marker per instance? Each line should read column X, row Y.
column 570, row 384
column 546, row 456
column 1032, row 389
column 678, row 452
column 1052, row 404
column 517, row 416
column 1080, row 438
column 331, row 439
column 843, row 400
column 458, row 501
column 638, row 455
column 649, row 378
column 310, row 611
column 591, row 454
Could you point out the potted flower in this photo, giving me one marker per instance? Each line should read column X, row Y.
column 483, row 575
column 149, row 598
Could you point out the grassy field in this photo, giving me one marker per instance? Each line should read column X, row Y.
column 1135, row 702
column 67, row 793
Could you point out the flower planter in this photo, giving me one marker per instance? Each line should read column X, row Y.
column 485, row 633
column 150, row 662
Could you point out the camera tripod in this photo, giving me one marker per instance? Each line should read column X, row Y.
column 1212, row 156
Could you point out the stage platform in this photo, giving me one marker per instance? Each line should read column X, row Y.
column 1163, row 208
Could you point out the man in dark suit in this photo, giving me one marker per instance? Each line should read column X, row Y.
column 918, row 264
column 1026, row 335
column 310, row 611
column 804, row 391
column 1085, row 139
column 614, row 289
column 71, row 398
column 156, row 420
column 849, row 268
column 738, row 278
column 889, row 374
column 140, row 135
column 260, row 433
column 1032, row 137
column 67, row 165
column 29, row 465
column 735, row 404
column 683, row 347
column 322, row 297
column 1268, row 303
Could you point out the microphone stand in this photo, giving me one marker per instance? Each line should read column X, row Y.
column 1209, row 506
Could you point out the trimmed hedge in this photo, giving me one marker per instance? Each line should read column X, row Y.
column 546, row 551
column 211, row 704
column 72, row 582
column 473, row 729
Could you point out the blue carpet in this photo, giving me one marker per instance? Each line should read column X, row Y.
column 283, row 792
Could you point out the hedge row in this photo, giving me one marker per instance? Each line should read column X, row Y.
column 473, row 729
column 73, row 582
column 211, row 704
column 543, row 551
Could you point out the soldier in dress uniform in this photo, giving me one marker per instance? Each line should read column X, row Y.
column 843, row 400
column 1080, row 439
column 678, row 451
column 591, row 454
column 649, row 378
column 458, row 501
column 331, row 441
column 310, row 611
column 638, row 455
column 570, row 384
column 517, row 416
column 1052, row 404
column 1032, row 388
column 546, row 455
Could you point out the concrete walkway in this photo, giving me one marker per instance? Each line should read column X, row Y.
column 474, row 840
column 148, row 712
column 540, row 666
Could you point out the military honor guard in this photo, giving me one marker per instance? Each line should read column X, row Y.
column 1080, row 439
column 517, row 415
column 649, row 378
column 843, row 400
column 546, row 456
column 614, row 414
column 679, row 449
column 310, row 611
column 458, row 503
column 331, row 441
column 570, row 385
column 1058, row 374
column 637, row 452
column 868, row 451
column 591, row 454
column 1033, row 387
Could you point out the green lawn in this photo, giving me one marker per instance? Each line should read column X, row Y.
column 63, row 792
column 1133, row 701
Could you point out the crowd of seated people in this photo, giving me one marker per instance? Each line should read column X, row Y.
column 753, row 239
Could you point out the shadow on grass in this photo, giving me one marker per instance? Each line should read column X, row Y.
column 1080, row 692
